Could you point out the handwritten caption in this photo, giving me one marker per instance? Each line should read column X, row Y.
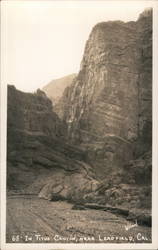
column 75, row 239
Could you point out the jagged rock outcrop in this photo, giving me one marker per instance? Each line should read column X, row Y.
column 37, row 151
column 108, row 107
column 32, row 113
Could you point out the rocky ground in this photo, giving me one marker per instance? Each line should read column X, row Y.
column 34, row 220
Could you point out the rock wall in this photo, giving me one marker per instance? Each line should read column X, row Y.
column 108, row 107
column 39, row 159
column 32, row 113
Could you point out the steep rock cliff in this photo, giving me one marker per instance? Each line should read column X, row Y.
column 108, row 107
column 32, row 113
column 38, row 154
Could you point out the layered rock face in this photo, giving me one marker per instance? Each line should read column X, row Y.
column 108, row 107
column 37, row 152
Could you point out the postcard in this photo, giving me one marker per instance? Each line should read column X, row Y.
column 79, row 141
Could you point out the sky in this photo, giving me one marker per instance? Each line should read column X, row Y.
column 45, row 40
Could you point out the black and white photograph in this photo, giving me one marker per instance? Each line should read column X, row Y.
column 78, row 151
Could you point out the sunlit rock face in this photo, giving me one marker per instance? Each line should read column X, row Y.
column 54, row 90
column 108, row 106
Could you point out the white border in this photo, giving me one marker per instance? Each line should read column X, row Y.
column 155, row 128
column 3, row 117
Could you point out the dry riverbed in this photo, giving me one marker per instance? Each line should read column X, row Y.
column 34, row 220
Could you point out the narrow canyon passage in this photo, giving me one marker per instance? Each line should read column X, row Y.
column 91, row 146
column 34, row 220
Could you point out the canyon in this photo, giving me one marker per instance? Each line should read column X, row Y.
column 91, row 143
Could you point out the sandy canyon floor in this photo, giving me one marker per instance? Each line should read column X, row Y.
column 34, row 220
